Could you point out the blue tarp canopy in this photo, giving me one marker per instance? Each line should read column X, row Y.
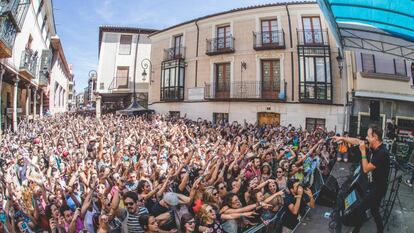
column 379, row 26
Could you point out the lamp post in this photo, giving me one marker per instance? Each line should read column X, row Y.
column 145, row 63
column 340, row 61
column 243, row 66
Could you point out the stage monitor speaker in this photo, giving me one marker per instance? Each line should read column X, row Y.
column 329, row 192
column 374, row 110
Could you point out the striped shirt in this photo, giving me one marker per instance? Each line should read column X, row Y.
column 133, row 221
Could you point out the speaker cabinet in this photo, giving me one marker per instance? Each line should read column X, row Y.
column 374, row 110
column 329, row 192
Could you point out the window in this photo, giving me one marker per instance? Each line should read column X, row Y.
column 177, row 46
column 368, row 63
column 269, row 31
column 315, row 74
column 222, row 80
column 400, row 67
column 220, row 118
column 270, row 79
column 172, row 80
column 223, row 37
column 314, row 123
column 101, row 86
column 125, row 44
column 122, row 73
column 312, row 30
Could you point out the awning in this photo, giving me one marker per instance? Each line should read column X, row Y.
column 383, row 95
column 377, row 26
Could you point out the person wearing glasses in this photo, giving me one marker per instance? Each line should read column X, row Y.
column 131, row 214
column 187, row 223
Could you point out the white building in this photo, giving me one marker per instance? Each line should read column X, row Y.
column 25, row 59
column 60, row 79
column 270, row 64
column 80, row 100
column 122, row 51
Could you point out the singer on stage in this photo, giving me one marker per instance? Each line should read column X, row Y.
column 379, row 165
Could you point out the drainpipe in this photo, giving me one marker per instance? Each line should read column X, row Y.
column 196, row 65
column 291, row 54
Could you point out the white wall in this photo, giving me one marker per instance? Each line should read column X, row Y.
column 290, row 113
column 32, row 26
column 110, row 59
column 58, row 102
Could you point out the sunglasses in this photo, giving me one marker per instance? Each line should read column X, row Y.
column 129, row 203
column 191, row 222
column 279, row 171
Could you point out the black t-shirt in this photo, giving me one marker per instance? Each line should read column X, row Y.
column 381, row 160
column 290, row 220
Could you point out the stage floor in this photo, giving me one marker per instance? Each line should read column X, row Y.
column 401, row 219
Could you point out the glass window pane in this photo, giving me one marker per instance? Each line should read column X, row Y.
column 320, row 69
column 328, row 70
column 310, row 69
column 368, row 63
column 316, row 23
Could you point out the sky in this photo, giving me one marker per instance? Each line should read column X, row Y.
column 77, row 23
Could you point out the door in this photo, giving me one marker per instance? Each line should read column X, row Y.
column 312, row 30
column 223, row 80
column 223, row 37
column 270, row 79
column 177, row 47
column 268, row 118
column 269, row 32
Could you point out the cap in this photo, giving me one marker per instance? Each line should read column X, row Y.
column 171, row 198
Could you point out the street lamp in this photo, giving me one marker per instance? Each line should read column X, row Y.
column 340, row 61
column 145, row 63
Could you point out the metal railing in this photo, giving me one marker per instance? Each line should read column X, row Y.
column 8, row 32
column 220, row 45
column 29, row 61
column 16, row 11
column 312, row 37
column 319, row 91
column 120, row 83
column 174, row 53
column 243, row 90
column 269, row 40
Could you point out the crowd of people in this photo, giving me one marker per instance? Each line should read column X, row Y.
column 75, row 173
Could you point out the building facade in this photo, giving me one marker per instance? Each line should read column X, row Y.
column 60, row 79
column 80, row 100
column 122, row 50
column 382, row 85
column 26, row 54
column 271, row 64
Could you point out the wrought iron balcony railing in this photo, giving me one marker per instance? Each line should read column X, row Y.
column 174, row 53
column 120, row 83
column 315, row 92
column 253, row 90
column 8, row 34
column 312, row 37
column 28, row 62
column 220, row 45
column 15, row 10
column 269, row 40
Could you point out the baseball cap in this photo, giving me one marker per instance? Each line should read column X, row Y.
column 171, row 198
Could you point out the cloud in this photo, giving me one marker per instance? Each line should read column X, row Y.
column 106, row 10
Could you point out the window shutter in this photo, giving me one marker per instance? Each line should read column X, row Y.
column 368, row 63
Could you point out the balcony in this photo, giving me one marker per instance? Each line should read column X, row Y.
column 312, row 37
column 243, row 90
column 174, row 53
column 120, row 84
column 220, row 45
column 269, row 40
column 28, row 64
column 316, row 92
column 15, row 10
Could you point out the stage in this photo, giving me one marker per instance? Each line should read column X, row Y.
column 401, row 219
